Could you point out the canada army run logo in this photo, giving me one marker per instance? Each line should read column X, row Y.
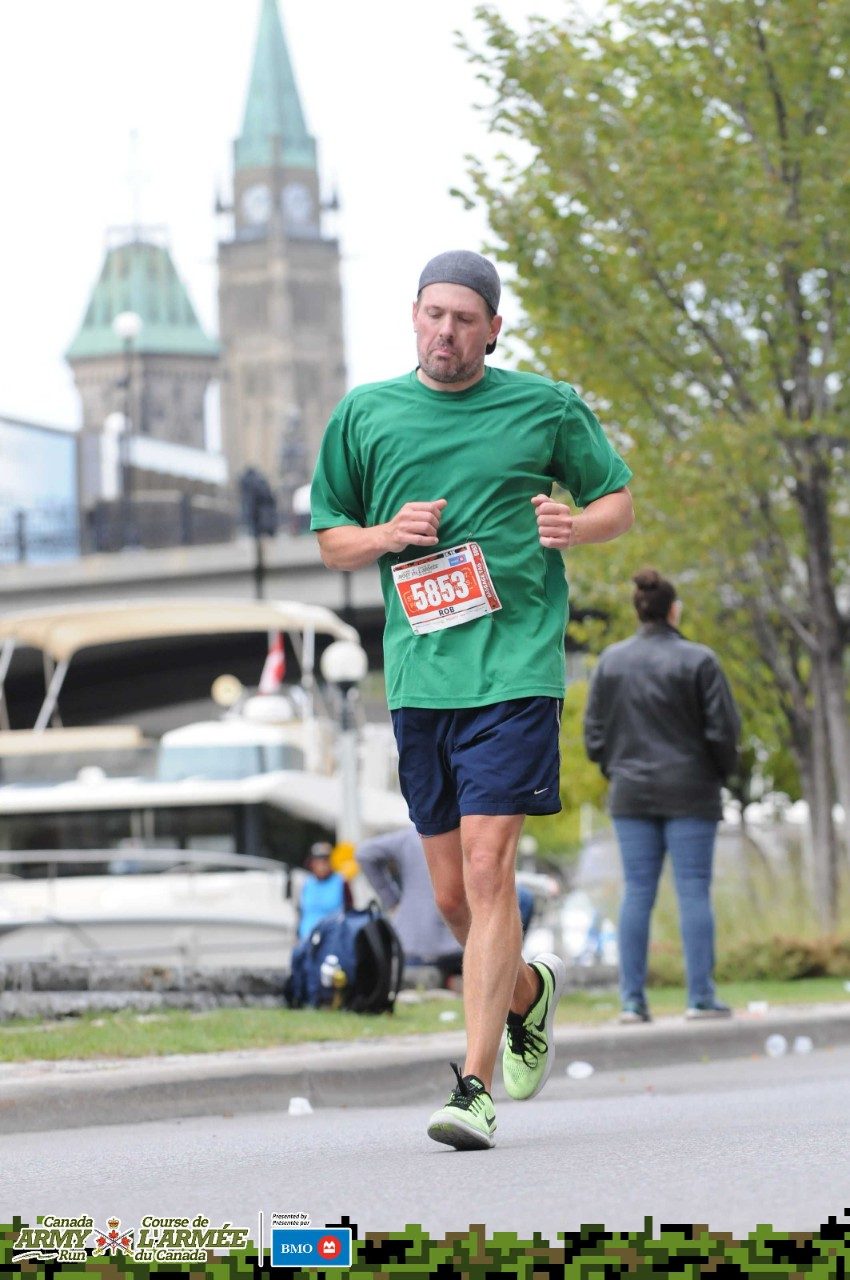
column 112, row 1241
column 155, row 1240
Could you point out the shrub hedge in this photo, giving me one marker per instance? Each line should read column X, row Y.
column 778, row 956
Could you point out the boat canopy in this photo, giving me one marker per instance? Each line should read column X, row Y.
column 15, row 743
column 61, row 633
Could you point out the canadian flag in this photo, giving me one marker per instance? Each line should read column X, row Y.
column 274, row 666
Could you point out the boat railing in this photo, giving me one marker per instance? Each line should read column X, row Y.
column 192, row 940
column 126, row 859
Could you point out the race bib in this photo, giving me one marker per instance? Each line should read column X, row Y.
column 445, row 589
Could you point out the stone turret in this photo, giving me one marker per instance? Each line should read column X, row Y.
column 153, row 382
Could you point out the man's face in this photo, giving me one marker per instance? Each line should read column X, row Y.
column 321, row 867
column 453, row 329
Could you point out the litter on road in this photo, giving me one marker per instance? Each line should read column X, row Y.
column 300, row 1107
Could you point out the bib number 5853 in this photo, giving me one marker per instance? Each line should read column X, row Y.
column 444, row 589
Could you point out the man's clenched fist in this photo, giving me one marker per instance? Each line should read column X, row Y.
column 554, row 522
column 417, row 524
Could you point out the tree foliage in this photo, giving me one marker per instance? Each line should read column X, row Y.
column 581, row 782
column 676, row 208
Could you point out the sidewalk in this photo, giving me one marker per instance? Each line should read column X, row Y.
column 38, row 1096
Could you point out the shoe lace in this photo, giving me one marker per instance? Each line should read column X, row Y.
column 526, row 1043
column 464, row 1095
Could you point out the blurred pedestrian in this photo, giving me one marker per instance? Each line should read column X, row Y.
column 395, row 866
column 324, row 890
column 526, row 904
column 662, row 725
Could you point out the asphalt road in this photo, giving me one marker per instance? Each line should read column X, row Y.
column 731, row 1143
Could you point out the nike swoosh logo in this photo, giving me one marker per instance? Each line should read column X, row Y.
column 490, row 1119
column 541, row 1026
column 540, row 792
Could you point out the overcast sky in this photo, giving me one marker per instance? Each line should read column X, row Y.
column 385, row 91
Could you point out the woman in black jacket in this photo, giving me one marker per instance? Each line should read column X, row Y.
column 662, row 725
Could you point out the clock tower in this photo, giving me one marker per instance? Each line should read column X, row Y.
column 280, row 303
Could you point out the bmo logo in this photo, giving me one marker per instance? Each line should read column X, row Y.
column 303, row 1247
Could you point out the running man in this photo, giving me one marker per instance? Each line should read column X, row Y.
column 444, row 476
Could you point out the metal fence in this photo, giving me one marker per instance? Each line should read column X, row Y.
column 152, row 520
column 155, row 520
column 39, row 535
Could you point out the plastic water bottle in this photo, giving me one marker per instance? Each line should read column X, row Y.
column 330, row 966
column 333, row 976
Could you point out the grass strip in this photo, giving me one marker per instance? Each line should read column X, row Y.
column 130, row 1035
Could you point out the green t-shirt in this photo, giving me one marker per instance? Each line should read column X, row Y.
column 487, row 450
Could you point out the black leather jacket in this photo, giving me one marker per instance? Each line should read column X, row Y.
column 662, row 725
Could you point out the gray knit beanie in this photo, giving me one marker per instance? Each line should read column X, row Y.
column 460, row 266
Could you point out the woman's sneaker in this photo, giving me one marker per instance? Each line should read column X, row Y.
column 708, row 1009
column 634, row 1011
column 529, row 1051
column 468, row 1121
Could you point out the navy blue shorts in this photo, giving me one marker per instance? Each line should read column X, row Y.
column 499, row 759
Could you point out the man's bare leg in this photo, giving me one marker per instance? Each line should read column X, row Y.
column 445, row 866
column 473, row 873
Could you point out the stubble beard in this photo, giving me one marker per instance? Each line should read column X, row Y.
column 449, row 368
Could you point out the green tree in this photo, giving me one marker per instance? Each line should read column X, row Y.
column 582, row 784
column 677, row 212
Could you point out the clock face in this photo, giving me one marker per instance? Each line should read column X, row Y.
column 297, row 204
column 256, row 203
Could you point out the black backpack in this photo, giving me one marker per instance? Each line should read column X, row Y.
column 368, row 953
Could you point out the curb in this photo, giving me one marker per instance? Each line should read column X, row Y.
column 41, row 1096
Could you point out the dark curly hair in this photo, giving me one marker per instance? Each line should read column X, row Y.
column 653, row 595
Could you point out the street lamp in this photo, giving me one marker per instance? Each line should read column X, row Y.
column 344, row 664
column 127, row 325
column 260, row 517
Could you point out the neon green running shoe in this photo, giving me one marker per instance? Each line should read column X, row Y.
column 467, row 1122
column 529, row 1051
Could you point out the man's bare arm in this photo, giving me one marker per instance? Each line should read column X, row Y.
column 349, row 546
column 600, row 521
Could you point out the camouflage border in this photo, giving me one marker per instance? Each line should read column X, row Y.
column 591, row 1253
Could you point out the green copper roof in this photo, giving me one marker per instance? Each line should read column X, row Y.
column 273, row 130
column 141, row 277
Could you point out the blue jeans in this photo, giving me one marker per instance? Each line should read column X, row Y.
column 690, row 843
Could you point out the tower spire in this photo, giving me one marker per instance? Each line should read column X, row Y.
column 135, row 179
column 280, row 305
column 274, row 131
